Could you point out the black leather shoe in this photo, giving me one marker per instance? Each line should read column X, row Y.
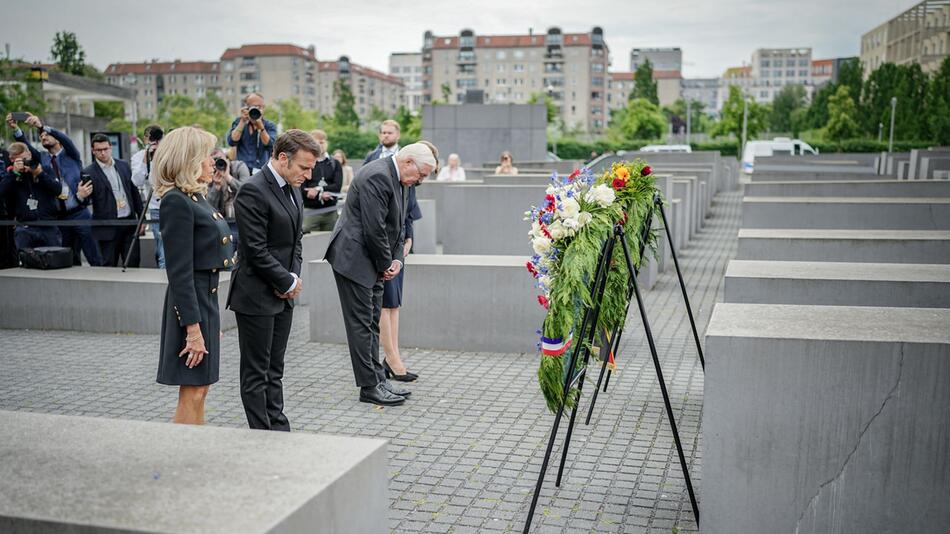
column 380, row 395
column 394, row 389
column 408, row 377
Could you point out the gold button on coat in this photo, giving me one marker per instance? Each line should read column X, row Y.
column 227, row 262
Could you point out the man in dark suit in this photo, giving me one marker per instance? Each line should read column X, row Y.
column 269, row 209
column 366, row 248
column 113, row 197
column 389, row 134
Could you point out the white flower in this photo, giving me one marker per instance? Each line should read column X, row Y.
column 569, row 208
column 550, row 190
column 545, row 281
column 571, row 226
column 535, row 229
column 583, row 219
column 541, row 245
column 602, row 194
column 557, row 230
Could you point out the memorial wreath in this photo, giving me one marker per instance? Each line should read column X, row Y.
column 568, row 231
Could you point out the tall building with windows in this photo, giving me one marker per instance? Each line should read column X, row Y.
column 407, row 66
column 774, row 68
column 920, row 34
column 663, row 59
column 705, row 91
column 570, row 67
column 277, row 71
column 371, row 89
column 152, row 81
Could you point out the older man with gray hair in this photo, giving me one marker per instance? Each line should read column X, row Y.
column 366, row 248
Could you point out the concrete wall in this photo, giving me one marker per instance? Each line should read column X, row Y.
column 454, row 302
column 869, row 213
column 426, row 228
column 882, row 246
column 86, row 475
column 812, row 176
column 825, row 419
column 838, row 284
column 488, row 219
column 849, row 188
column 91, row 299
column 481, row 132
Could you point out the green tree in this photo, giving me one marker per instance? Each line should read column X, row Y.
column 699, row 121
column 344, row 112
column 446, row 93
column 19, row 90
column 842, row 116
column 790, row 99
column 731, row 121
column 114, row 112
column 208, row 112
column 641, row 119
column 68, row 54
column 290, row 114
column 908, row 84
column 410, row 123
column 938, row 104
column 643, row 84
column 851, row 75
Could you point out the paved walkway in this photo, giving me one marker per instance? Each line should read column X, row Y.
column 466, row 450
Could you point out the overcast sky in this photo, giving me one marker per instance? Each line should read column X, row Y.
column 714, row 34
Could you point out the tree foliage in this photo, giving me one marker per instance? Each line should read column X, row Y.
column 789, row 100
column 938, row 104
column 842, row 116
column 344, row 112
column 908, row 84
column 643, row 84
column 68, row 54
column 19, row 91
column 699, row 121
column 208, row 112
column 731, row 120
column 641, row 119
column 539, row 97
column 290, row 114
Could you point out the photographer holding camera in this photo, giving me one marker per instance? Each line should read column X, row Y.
column 35, row 194
column 64, row 163
column 141, row 171
column 252, row 134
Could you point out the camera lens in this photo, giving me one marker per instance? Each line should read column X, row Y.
column 254, row 113
column 220, row 164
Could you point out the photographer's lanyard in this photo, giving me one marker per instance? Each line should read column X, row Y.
column 31, row 203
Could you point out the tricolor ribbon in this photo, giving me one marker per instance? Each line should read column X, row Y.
column 554, row 347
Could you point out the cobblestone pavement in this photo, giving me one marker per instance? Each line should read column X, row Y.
column 466, row 450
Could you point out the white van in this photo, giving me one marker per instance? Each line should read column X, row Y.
column 776, row 147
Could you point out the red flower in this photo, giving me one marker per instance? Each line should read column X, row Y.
column 544, row 230
column 530, row 267
column 618, row 184
column 623, row 217
column 647, row 171
column 574, row 175
column 542, row 300
column 549, row 199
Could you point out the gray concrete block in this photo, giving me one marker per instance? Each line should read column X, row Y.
column 849, row 188
column 825, row 419
column 680, row 218
column 454, row 302
column 314, row 247
column 424, row 229
column 870, row 213
column 88, row 475
column 690, row 202
column 812, row 176
column 487, row 219
column 664, row 184
column 838, row 284
column 882, row 246
column 91, row 299
column 542, row 180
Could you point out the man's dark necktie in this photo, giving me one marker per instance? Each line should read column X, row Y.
column 289, row 195
column 55, row 163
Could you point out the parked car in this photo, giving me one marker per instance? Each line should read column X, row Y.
column 667, row 148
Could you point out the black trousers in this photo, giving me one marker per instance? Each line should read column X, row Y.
column 114, row 250
column 263, row 342
column 362, row 307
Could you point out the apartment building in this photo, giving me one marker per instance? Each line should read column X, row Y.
column 774, row 68
column 277, row 71
column 371, row 88
column 407, row 66
column 664, row 59
column 570, row 67
column 704, row 90
column 920, row 34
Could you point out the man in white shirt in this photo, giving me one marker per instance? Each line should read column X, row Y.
column 113, row 197
column 140, row 177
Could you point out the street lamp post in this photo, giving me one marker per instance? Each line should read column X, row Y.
column 890, row 142
column 745, row 124
column 550, row 91
column 880, row 132
column 689, row 117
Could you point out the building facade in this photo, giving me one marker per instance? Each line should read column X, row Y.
column 407, row 66
column 276, row 71
column 705, row 91
column 371, row 89
column 569, row 67
column 920, row 34
column 774, row 68
column 665, row 59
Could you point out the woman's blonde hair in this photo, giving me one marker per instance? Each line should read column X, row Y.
column 178, row 160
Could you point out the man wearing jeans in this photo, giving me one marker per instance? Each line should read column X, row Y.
column 141, row 165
